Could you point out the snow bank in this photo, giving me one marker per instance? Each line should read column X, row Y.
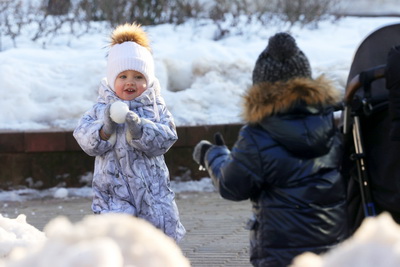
column 17, row 233
column 376, row 243
column 109, row 240
column 202, row 80
column 122, row 240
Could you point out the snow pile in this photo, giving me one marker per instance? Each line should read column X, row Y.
column 17, row 233
column 116, row 240
column 376, row 243
column 109, row 240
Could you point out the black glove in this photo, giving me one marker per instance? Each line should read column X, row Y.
column 199, row 152
column 219, row 139
column 392, row 73
column 203, row 146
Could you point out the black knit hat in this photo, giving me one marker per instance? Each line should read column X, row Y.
column 281, row 60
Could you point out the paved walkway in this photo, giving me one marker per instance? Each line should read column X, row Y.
column 215, row 227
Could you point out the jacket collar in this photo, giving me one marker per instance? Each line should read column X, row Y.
column 267, row 99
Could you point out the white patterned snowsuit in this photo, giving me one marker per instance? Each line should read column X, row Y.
column 130, row 176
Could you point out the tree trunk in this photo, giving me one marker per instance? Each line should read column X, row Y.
column 58, row 7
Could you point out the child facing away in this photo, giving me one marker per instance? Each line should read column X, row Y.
column 286, row 159
column 130, row 174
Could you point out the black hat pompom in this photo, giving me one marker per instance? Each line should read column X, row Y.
column 281, row 60
column 282, row 46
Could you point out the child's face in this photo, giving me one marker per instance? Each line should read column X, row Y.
column 130, row 84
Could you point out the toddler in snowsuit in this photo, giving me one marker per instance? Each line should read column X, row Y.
column 286, row 159
column 130, row 174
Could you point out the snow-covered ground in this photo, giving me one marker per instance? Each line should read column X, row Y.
column 202, row 79
column 97, row 241
column 26, row 194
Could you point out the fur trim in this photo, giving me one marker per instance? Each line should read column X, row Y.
column 266, row 99
column 130, row 33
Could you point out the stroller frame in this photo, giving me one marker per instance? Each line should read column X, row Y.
column 370, row 163
column 362, row 80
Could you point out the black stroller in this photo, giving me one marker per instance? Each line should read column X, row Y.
column 372, row 160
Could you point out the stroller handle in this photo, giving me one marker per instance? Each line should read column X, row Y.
column 363, row 79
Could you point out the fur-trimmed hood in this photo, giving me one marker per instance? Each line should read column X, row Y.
column 267, row 99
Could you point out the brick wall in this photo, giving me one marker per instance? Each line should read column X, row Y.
column 46, row 159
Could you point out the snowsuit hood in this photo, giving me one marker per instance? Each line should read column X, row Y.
column 150, row 96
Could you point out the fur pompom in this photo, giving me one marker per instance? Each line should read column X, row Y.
column 130, row 33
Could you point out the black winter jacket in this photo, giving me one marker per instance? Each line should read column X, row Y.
column 286, row 160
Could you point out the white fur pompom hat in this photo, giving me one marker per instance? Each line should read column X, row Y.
column 130, row 50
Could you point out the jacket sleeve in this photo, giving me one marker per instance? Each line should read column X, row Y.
column 87, row 132
column 158, row 137
column 236, row 174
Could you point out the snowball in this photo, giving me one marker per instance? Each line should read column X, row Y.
column 61, row 193
column 118, row 111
